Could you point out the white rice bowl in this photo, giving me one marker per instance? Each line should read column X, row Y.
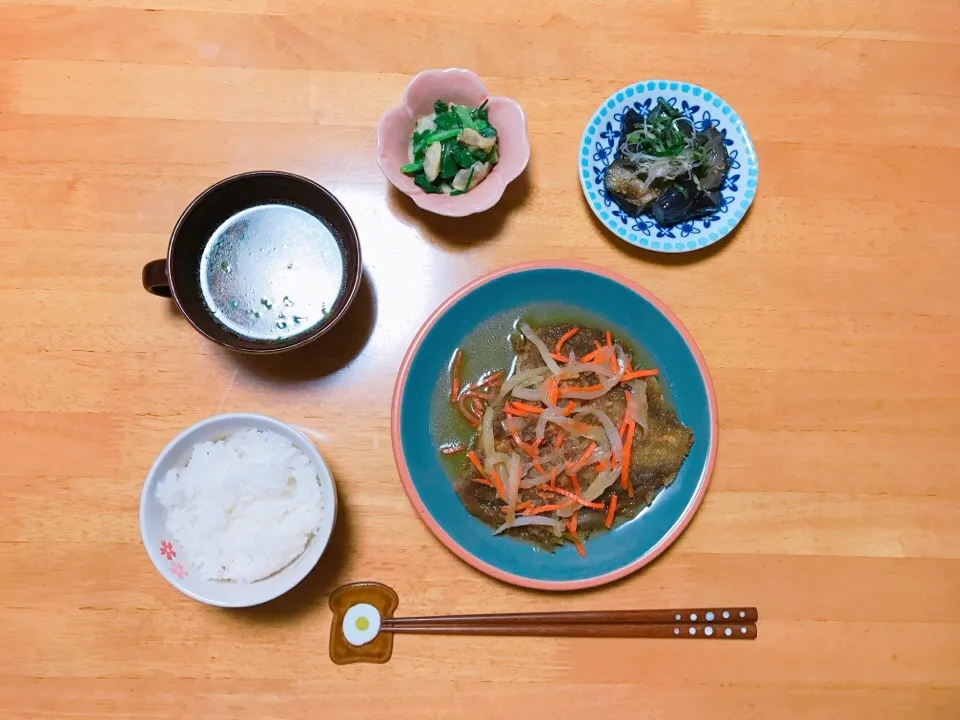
column 237, row 509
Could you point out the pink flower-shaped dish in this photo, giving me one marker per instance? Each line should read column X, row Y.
column 464, row 87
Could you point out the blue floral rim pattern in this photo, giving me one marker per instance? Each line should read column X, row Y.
column 703, row 108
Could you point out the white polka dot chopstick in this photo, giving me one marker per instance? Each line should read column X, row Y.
column 731, row 623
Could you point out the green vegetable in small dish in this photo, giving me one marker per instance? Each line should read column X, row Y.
column 452, row 149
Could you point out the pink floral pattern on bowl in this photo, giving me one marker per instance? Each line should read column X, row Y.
column 176, row 569
column 465, row 87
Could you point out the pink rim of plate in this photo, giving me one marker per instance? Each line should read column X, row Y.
column 460, row 551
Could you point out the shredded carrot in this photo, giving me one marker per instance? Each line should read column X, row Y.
column 537, row 509
column 623, row 423
column 524, row 408
column 574, row 496
column 526, row 447
column 530, row 450
column 520, row 506
column 475, row 461
column 591, row 356
column 600, row 466
column 572, row 529
column 575, row 482
column 510, row 410
column 580, row 427
column 497, row 484
column 553, row 391
column 566, row 336
column 577, row 388
column 613, row 355
column 483, row 481
column 572, row 522
column 581, row 551
column 455, row 375
column 476, row 405
column 610, row 511
column 636, row 374
column 571, row 406
column 559, row 358
column 583, row 458
column 539, row 467
column 627, row 451
column 468, row 412
column 553, row 478
column 558, row 439
column 495, row 378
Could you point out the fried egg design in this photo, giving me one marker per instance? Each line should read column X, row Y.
column 361, row 624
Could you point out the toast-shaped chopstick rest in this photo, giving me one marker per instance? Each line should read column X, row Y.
column 358, row 612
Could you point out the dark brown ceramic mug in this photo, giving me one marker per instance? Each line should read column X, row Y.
column 178, row 276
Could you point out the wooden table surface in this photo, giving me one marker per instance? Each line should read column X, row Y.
column 830, row 322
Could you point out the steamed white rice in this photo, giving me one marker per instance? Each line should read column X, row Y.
column 244, row 507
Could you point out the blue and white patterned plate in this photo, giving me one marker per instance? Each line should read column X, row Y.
column 703, row 108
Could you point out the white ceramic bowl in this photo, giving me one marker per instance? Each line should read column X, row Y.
column 163, row 549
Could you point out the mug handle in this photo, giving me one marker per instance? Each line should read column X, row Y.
column 155, row 279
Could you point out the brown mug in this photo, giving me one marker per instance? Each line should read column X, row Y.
column 178, row 275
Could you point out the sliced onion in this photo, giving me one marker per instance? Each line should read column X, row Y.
column 530, row 335
column 511, row 485
column 491, row 458
column 538, row 479
column 606, row 387
column 553, row 415
column 525, row 520
column 522, row 378
column 486, row 434
column 550, row 414
column 603, row 480
column 534, row 394
column 621, row 358
column 637, row 407
column 598, row 455
column 603, row 355
column 574, row 369
column 616, row 444
column 587, row 394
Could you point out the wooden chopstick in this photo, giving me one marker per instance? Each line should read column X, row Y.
column 689, row 616
column 724, row 631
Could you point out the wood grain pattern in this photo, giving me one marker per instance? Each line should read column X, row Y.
column 831, row 323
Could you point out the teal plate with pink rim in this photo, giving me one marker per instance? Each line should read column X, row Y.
column 622, row 306
column 703, row 109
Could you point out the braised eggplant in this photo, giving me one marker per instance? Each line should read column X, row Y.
column 665, row 168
